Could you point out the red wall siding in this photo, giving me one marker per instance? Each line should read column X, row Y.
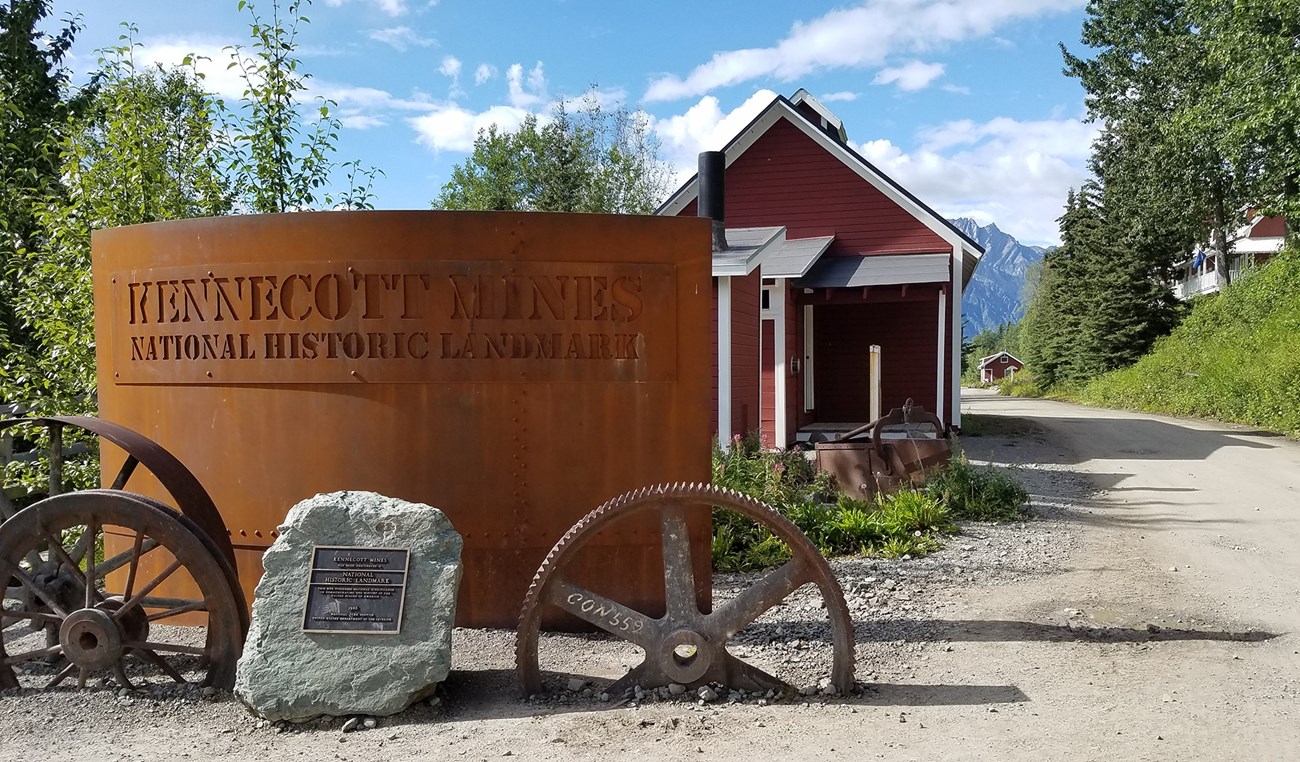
column 786, row 178
column 745, row 400
column 906, row 331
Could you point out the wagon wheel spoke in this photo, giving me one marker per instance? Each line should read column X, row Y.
column 144, row 645
column 771, row 589
column 183, row 608
column 57, row 548
column 153, row 658
column 22, row 615
column 30, row 655
column 119, row 674
column 92, row 592
column 125, row 472
column 139, row 550
column 139, row 597
column 82, row 674
column 64, row 674
column 608, row 615
column 679, row 575
column 36, row 590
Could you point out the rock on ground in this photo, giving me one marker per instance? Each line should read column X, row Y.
column 287, row 674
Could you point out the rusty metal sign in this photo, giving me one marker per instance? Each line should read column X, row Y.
column 355, row 590
column 414, row 354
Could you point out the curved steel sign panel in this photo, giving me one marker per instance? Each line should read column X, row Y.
column 513, row 370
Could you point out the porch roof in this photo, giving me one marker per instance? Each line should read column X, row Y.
column 795, row 257
column 878, row 270
column 746, row 249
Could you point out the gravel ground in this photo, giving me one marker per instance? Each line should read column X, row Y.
column 897, row 606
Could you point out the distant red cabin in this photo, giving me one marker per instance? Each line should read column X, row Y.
column 831, row 268
column 994, row 368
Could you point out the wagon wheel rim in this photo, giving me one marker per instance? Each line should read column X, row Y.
column 142, row 454
column 110, row 628
column 683, row 624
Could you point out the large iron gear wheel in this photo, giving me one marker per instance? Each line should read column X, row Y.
column 684, row 646
column 99, row 612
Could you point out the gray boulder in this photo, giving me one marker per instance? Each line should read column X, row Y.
column 288, row 674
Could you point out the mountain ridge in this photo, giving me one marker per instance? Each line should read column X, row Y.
column 993, row 296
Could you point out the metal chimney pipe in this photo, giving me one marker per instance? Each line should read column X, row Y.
column 712, row 174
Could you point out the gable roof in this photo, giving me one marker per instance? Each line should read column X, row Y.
column 783, row 108
column 984, row 361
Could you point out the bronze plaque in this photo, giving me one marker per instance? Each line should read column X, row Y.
column 356, row 590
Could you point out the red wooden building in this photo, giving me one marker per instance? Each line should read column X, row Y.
column 998, row 366
column 827, row 261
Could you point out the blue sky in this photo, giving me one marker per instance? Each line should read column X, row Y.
column 962, row 101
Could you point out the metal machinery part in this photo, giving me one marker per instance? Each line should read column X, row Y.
column 685, row 645
column 48, row 549
column 885, row 465
column 98, row 622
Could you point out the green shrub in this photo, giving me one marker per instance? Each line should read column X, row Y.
column 1022, row 384
column 978, row 494
column 907, row 522
column 1232, row 358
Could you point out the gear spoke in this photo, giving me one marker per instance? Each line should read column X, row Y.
column 770, row 590
column 64, row 674
column 679, row 575
column 610, row 616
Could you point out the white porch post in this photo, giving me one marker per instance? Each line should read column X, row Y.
column 781, row 365
column 939, row 378
column 724, row 361
column 955, row 420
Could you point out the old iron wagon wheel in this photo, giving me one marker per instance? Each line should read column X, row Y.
column 113, row 626
column 684, row 646
column 186, row 493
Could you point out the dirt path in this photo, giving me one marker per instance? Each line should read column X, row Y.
column 1153, row 617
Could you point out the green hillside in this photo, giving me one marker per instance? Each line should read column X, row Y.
column 1235, row 357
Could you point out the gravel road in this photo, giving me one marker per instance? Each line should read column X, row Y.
column 1147, row 611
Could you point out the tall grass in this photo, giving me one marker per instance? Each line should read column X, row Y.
column 1235, row 357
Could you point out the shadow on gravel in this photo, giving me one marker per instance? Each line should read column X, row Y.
column 1136, row 438
column 490, row 694
column 904, row 694
column 975, row 630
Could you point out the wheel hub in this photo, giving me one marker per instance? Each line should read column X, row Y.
column 686, row 656
column 91, row 639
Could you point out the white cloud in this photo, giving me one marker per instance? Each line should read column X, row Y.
column 391, row 7
column 450, row 67
column 400, row 37
column 1015, row 173
column 843, row 95
column 483, row 73
column 858, row 37
column 452, row 128
column 526, row 94
column 356, row 121
column 911, row 76
column 704, row 127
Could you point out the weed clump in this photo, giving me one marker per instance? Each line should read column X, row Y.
column 907, row 522
column 978, row 494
